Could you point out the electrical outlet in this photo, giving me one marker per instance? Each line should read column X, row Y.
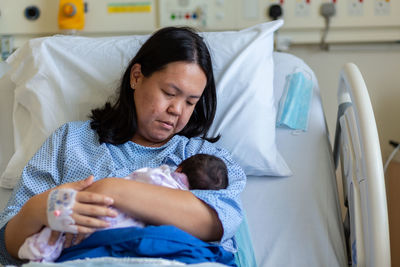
column 382, row 7
column 355, row 7
column 302, row 8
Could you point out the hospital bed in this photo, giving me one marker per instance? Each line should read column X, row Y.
column 294, row 218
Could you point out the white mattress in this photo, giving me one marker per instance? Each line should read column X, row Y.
column 295, row 221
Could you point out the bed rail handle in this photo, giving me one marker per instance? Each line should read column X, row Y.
column 353, row 92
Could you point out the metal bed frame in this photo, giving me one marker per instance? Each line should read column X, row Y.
column 357, row 147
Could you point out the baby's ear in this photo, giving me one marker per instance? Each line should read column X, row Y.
column 179, row 169
column 184, row 180
column 181, row 178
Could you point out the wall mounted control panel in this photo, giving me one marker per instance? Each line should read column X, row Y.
column 101, row 16
column 354, row 20
column 201, row 14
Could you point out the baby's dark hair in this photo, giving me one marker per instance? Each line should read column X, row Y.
column 205, row 172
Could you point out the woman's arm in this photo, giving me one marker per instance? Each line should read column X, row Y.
column 30, row 220
column 159, row 205
column 33, row 216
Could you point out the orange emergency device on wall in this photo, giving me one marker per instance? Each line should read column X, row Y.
column 71, row 15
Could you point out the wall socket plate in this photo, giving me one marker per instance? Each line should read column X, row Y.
column 302, row 8
column 382, row 7
column 355, row 8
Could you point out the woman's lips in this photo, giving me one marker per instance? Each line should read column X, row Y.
column 167, row 125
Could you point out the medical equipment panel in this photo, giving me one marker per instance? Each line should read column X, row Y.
column 40, row 17
column 202, row 14
column 125, row 16
column 352, row 21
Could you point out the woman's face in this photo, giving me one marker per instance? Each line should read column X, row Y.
column 165, row 100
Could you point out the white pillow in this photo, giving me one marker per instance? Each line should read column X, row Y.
column 61, row 78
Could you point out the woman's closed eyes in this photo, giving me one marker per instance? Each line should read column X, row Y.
column 173, row 94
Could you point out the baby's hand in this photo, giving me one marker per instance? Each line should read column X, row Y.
column 72, row 239
column 54, row 237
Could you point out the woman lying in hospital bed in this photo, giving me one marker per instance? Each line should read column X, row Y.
column 166, row 105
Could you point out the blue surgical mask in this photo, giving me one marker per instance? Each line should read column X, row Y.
column 294, row 105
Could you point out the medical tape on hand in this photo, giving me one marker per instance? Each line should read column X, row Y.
column 59, row 210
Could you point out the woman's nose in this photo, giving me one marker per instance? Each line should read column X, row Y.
column 175, row 108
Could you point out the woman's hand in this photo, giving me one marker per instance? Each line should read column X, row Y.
column 88, row 207
column 33, row 214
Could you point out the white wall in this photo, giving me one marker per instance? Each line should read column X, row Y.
column 380, row 67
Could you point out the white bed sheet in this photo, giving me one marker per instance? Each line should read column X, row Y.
column 296, row 221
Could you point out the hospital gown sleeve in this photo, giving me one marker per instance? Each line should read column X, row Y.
column 40, row 174
column 226, row 202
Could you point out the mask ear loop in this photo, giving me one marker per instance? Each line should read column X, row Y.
column 309, row 75
column 304, row 71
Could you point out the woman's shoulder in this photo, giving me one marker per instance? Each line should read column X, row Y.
column 75, row 130
column 74, row 126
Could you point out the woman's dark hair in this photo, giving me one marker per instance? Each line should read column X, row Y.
column 205, row 171
column 117, row 123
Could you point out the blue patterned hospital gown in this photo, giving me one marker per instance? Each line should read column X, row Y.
column 73, row 152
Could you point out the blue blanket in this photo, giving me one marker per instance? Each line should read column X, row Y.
column 165, row 241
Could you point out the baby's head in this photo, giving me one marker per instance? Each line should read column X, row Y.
column 204, row 172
